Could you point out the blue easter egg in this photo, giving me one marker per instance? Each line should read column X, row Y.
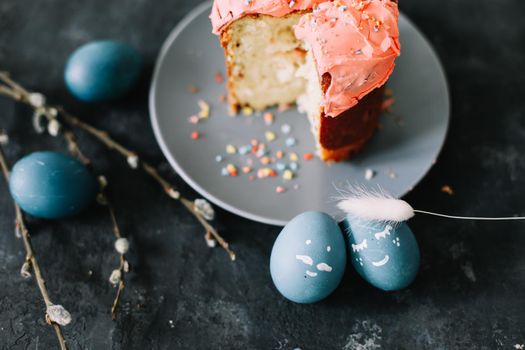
column 52, row 185
column 386, row 255
column 102, row 70
column 308, row 258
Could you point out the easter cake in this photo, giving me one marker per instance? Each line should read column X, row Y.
column 332, row 58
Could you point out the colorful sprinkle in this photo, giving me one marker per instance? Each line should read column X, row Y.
column 447, row 189
column 265, row 160
column 246, row 169
column 195, row 135
column 261, row 150
column 369, row 174
column 230, row 149
column 204, row 109
column 245, row 149
column 280, row 189
column 268, row 118
column 270, row 136
column 193, row 89
column 266, row 172
column 218, row 158
column 291, row 141
column 286, row 128
column 288, row 175
column 193, row 119
column 294, row 166
column 232, row 170
column 284, row 107
column 279, row 154
column 308, row 156
column 247, row 111
column 224, row 172
column 280, row 166
column 294, row 157
column 219, row 78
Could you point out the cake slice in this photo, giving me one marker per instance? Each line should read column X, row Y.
column 332, row 58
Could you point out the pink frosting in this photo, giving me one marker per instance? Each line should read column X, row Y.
column 224, row 12
column 356, row 42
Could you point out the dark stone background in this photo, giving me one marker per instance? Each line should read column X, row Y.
column 468, row 295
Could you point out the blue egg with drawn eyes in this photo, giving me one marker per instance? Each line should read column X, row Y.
column 308, row 258
column 384, row 254
column 52, row 185
column 102, row 70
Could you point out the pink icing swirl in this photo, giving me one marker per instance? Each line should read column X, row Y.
column 224, row 12
column 356, row 42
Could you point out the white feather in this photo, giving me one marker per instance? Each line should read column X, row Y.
column 380, row 206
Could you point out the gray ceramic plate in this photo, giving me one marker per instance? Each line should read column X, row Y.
column 400, row 154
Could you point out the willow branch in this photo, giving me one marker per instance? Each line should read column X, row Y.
column 20, row 94
column 168, row 188
column 123, row 267
column 31, row 257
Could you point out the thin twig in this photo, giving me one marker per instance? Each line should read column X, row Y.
column 75, row 150
column 21, row 94
column 104, row 137
column 123, row 265
column 30, row 254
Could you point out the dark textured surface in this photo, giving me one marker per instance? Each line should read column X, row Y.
column 468, row 295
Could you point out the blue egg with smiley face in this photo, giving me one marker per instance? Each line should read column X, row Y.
column 308, row 258
column 385, row 254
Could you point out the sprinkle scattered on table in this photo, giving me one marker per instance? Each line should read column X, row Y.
column 218, row 158
column 232, row 170
column 308, row 156
column 270, row 136
column 195, row 135
column 280, row 189
column 284, row 107
column 193, row 89
column 392, row 174
column 291, row 141
column 231, row 149
column 247, row 111
column 204, row 109
column 268, row 118
column 447, row 189
column 219, row 78
column 286, row 128
column 245, row 149
column 193, row 119
column 369, row 174
column 287, row 175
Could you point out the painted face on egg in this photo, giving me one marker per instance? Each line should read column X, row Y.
column 308, row 258
column 384, row 254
